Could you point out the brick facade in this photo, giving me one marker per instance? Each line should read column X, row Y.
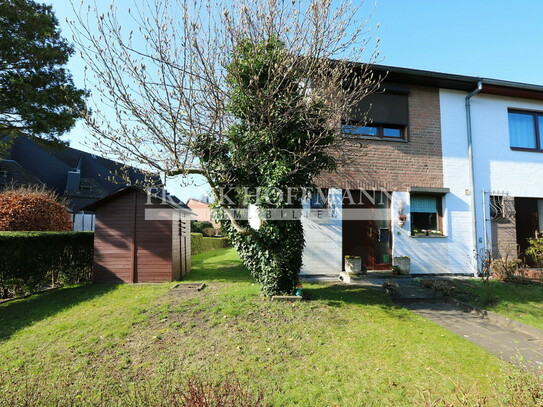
column 504, row 232
column 397, row 165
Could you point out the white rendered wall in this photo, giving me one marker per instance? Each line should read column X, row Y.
column 433, row 255
column 497, row 168
column 323, row 239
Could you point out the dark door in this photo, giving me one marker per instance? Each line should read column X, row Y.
column 527, row 224
column 366, row 232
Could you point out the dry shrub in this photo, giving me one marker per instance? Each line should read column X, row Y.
column 210, row 232
column 506, row 269
column 33, row 209
column 391, row 287
column 438, row 285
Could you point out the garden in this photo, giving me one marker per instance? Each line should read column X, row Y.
column 149, row 344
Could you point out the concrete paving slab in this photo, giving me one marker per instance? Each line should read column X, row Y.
column 505, row 343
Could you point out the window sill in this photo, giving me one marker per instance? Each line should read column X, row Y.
column 428, row 237
column 373, row 138
column 528, row 150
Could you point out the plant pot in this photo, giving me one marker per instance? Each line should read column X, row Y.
column 353, row 265
column 404, row 263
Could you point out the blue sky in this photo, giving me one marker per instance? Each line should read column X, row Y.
column 497, row 39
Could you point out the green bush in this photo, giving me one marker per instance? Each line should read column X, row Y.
column 201, row 244
column 198, row 227
column 31, row 261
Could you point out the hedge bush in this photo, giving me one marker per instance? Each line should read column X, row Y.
column 33, row 208
column 198, row 227
column 201, row 244
column 31, row 261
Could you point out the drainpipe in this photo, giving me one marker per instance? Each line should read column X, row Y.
column 471, row 171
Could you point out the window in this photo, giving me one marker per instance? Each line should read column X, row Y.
column 426, row 215
column 496, row 205
column 353, row 129
column 319, row 198
column 525, row 130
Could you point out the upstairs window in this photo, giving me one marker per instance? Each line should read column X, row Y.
column 525, row 130
column 385, row 112
column 375, row 131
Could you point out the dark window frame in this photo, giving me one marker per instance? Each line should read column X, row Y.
column 313, row 204
column 439, row 218
column 537, row 134
column 380, row 131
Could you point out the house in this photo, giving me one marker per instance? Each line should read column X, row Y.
column 140, row 237
column 450, row 167
column 202, row 211
column 80, row 177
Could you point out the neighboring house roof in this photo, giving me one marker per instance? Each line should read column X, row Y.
column 198, row 203
column 81, row 177
column 11, row 173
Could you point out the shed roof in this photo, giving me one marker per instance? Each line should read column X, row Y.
column 172, row 201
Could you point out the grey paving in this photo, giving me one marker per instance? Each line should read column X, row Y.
column 508, row 344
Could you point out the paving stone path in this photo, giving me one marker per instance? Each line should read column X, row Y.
column 505, row 343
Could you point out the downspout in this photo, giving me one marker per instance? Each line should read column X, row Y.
column 471, row 171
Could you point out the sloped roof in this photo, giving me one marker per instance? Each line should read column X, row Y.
column 172, row 201
column 11, row 173
column 51, row 164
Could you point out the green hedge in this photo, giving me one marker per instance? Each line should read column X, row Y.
column 31, row 261
column 201, row 244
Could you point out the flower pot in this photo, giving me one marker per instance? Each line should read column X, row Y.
column 404, row 263
column 353, row 265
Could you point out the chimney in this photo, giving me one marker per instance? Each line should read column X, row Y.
column 72, row 185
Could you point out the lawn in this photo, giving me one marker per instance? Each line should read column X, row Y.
column 125, row 344
column 523, row 303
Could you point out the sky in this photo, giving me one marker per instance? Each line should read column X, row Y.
column 498, row 39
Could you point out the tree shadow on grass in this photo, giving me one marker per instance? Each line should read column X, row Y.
column 18, row 314
column 339, row 295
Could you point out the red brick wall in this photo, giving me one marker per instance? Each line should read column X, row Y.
column 396, row 165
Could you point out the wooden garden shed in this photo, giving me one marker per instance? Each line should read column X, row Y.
column 139, row 238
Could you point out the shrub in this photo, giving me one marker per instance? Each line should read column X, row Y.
column 32, row 209
column 32, row 261
column 198, row 227
column 438, row 285
column 209, row 232
column 201, row 244
column 504, row 269
column 535, row 251
column 391, row 287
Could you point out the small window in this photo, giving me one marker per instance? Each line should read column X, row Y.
column 525, row 130
column 426, row 215
column 319, row 198
column 497, row 207
column 354, row 129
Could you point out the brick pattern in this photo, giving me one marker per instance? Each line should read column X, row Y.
column 504, row 234
column 396, row 165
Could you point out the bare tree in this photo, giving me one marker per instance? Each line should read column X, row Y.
column 168, row 76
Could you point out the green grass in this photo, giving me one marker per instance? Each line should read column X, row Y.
column 523, row 303
column 348, row 346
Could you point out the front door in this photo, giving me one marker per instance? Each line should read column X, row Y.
column 366, row 233
column 529, row 222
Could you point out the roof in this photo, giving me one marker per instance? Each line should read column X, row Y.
column 11, row 173
column 198, row 201
column 393, row 74
column 172, row 201
column 51, row 164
